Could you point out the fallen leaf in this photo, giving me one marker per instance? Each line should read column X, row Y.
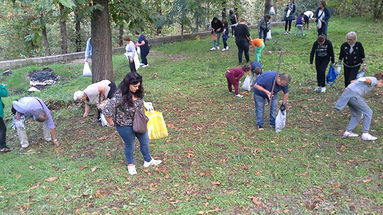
column 99, row 194
column 216, row 183
column 51, row 179
column 304, row 174
column 103, row 137
column 367, row 180
column 83, row 167
column 31, row 167
column 257, row 173
column 205, row 173
column 286, row 211
column 93, row 169
column 257, row 202
column 336, row 185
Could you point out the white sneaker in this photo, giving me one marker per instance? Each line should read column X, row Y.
column 239, row 95
column 132, row 169
column 212, row 49
column 227, row 48
column 223, row 49
column 152, row 162
column 141, row 64
column 347, row 134
column 369, row 137
column 323, row 89
column 145, row 65
column 217, row 47
column 318, row 89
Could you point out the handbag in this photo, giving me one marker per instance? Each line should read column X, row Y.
column 140, row 122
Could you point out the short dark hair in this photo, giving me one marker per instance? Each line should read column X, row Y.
column 267, row 16
column 379, row 76
column 321, row 38
column 246, row 67
column 127, row 39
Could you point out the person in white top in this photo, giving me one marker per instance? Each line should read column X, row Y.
column 130, row 53
column 95, row 94
column 307, row 16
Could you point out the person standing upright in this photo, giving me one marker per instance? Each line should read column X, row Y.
column 322, row 15
column 3, row 129
column 217, row 29
column 144, row 46
column 264, row 27
column 289, row 16
column 242, row 39
column 233, row 21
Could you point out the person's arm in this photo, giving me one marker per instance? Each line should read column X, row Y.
column 362, row 55
column 327, row 14
column 285, row 98
column 260, row 88
column 331, row 52
column 101, row 94
column 54, row 137
column 86, row 111
column 312, row 53
column 341, row 53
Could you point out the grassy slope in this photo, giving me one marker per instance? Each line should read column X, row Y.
column 214, row 159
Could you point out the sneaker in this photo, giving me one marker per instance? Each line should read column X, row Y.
column 217, row 47
column 239, row 95
column 318, row 89
column 223, row 49
column 369, row 137
column 347, row 134
column 5, row 150
column 323, row 89
column 141, row 64
column 131, row 169
column 145, row 65
column 260, row 127
column 212, row 49
column 227, row 48
column 152, row 162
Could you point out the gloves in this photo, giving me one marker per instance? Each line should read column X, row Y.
column 148, row 106
column 283, row 107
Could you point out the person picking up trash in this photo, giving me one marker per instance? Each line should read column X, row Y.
column 33, row 107
column 95, row 94
column 234, row 75
column 266, row 87
column 352, row 96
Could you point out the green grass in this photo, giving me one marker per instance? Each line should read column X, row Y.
column 214, row 159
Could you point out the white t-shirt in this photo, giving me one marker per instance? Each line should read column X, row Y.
column 309, row 14
column 93, row 93
column 321, row 13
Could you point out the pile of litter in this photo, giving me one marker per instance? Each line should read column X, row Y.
column 39, row 79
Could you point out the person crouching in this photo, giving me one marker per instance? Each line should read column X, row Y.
column 234, row 75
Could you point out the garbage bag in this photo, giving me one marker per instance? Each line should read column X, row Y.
column 86, row 72
column 280, row 121
column 156, row 125
column 247, row 83
column 268, row 35
column 331, row 75
column 272, row 10
column 136, row 61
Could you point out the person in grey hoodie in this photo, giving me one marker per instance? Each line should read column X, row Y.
column 352, row 97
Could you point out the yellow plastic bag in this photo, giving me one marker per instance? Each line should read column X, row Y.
column 156, row 125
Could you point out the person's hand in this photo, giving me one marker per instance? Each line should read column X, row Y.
column 268, row 94
column 56, row 142
column 283, row 107
column 148, row 106
column 364, row 67
column 85, row 115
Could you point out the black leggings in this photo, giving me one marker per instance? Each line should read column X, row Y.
column 110, row 95
column 321, row 66
column 243, row 46
column 350, row 74
column 3, row 131
column 288, row 23
column 132, row 66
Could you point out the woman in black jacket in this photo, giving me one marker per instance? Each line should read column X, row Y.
column 289, row 16
column 324, row 52
column 242, row 39
column 352, row 55
column 217, row 29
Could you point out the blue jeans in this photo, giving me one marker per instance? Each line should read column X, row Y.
column 216, row 42
column 260, row 109
column 127, row 134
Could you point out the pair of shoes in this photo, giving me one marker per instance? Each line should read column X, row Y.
column 368, row 137
column 347, row 134
column 5, row 149
column 145, row 65
column 239, row 95
column 260, row 127
column 152, row 163
column 323, row 89
column 131, row 169
column 213, row 49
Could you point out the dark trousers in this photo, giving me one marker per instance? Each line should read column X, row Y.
column 263, row 34
column 243, row 46
column 233, row 30
column 350, row 74
column 323, row 29
column 288, row 23
column 3, row 131
column 143, row 57
column 321, row 66
column 224, row 40
column 132, row 66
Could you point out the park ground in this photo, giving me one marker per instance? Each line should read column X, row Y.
column 214, row 160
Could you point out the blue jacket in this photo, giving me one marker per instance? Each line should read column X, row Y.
column 327, row 14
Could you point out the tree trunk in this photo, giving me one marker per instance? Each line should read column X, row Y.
column 223, row 13
column 102, row 67
column 159, row 11
column 77, row 32
column 44, row 35
column 182, row 31
column 121, row 34
column 267, row 6
column 378, row 9
column 64, row 36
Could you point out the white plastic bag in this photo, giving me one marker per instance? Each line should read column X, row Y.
column 288, row 13
column 103, row 120
column 138, row 50
column 338, row 68
column 319, row 24
column 272, row 10
column 268, row 35
column 247, row 83
column 86, row 72
column 280, row 121
column 136, row 61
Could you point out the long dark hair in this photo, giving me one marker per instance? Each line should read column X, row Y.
column 132, row 78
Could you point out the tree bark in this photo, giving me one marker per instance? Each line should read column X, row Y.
column 159, row 11
column 102, row 67
column 64, row 36
column 121, row 34
column 77, row 32
column 44, row 35
column 267, row 6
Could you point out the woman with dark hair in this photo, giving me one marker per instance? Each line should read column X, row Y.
column 324, row 52
column 233, row 21
column 352, row 55
column 289, row 16
column 217, row 29
column 352, row 97
column 242, row 39
column 322, row 15
column 119, row 112
column 264, row 27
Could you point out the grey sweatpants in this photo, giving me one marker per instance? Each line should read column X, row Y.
column 358, row 107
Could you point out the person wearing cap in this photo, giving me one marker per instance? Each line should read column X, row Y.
column 95, row 94
column 35, row 108
column 259, row 45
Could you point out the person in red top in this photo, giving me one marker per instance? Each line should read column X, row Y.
column 234, row 75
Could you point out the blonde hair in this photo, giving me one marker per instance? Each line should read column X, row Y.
column 78, row 95
column 351, row 34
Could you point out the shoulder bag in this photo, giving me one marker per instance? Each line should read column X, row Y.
column 140, row 121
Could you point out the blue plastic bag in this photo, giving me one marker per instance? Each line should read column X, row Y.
column 331, row 75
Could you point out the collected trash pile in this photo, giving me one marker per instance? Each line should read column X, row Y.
column 39, row 79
